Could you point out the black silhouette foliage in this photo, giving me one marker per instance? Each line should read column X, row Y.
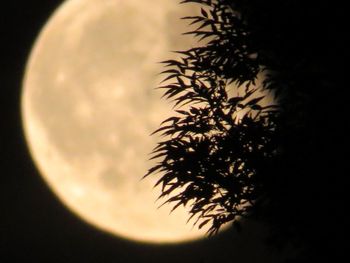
column 213, row 152
column 284, row 165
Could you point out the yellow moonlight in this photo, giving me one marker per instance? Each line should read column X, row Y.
column 89, row 106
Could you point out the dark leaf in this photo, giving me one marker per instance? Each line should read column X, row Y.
column 254, row 101
column 204, row 13
column 203, row 223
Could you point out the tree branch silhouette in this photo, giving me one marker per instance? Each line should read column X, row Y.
column 212, row 152
column 281, row 164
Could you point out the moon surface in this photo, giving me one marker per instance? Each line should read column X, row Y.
column 89, row 105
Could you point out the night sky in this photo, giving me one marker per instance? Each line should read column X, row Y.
column 34, row 225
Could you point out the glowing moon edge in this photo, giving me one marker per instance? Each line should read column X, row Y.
column 63, row 175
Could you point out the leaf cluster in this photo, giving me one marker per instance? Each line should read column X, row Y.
column 216, row 144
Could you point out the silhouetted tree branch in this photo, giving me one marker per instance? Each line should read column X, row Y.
column 212, row 152
column 226, row 156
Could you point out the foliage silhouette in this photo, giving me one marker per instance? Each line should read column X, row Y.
column 282, row 163
column 220, row 183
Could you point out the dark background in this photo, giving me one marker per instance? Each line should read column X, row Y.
column 34, row 225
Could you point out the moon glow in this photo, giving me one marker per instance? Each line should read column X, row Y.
column 89, row 105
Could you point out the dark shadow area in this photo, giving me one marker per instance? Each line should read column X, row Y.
column 304, row 44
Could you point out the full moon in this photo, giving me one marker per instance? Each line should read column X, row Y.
column 89, row 107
